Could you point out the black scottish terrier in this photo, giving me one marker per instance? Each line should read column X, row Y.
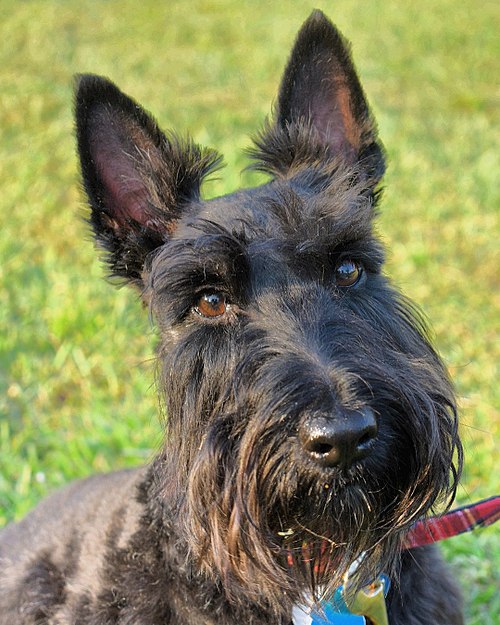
column 309, row 419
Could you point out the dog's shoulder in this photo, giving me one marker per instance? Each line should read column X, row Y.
column 56, row 541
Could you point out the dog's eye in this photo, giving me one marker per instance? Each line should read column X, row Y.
column 347, row 273
column 212, row 304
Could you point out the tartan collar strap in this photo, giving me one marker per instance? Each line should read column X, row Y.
column 453, row 523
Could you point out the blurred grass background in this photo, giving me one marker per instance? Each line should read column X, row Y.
column 76, row 370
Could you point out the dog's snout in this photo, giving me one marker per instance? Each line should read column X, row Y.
column 339, row 439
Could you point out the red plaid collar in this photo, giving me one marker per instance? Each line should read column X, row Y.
column 458, row 521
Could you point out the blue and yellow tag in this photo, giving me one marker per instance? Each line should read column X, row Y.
column 343, row 609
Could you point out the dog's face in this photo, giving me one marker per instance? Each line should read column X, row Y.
column 309, row 420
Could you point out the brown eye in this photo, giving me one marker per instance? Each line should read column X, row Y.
column 211, row 304
column 347, row 273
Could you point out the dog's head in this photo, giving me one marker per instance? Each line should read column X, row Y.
column 309, row 419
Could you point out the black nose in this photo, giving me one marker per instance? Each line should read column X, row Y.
column 339, row 439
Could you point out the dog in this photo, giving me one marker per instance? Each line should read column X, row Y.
column 310, row 421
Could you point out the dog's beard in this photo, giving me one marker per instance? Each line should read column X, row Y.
column 273, row 531
column 275, row 545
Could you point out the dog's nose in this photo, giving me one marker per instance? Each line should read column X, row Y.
column 339, row 439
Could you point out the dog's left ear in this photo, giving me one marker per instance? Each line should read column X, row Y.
column 321, row 113
column 137, row 179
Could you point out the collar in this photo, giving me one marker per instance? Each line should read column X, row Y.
column 453, row 523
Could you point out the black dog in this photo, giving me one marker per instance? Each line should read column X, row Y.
column 309, row 419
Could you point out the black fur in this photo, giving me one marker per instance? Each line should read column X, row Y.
column 277, row 325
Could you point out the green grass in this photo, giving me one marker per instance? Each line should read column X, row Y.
column 76, row 368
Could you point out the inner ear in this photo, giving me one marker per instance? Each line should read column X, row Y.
column 125, row 159
column 138, row 180
column 325, row 96
column 128, row 164
column 320, row 87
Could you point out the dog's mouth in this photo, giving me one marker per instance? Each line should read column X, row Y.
column 321, row 557
column 316, row 560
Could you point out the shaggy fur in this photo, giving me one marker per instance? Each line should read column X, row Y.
column 309, row 418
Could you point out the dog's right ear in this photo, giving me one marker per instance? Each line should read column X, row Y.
column 136, row 178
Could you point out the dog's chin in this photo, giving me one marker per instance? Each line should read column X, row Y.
column 320, row 562
column 279, row 551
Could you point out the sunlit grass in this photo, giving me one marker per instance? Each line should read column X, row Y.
column 76, row 367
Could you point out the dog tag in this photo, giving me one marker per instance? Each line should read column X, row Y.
column 334, row 612
column 332, row 617
column 370, row 601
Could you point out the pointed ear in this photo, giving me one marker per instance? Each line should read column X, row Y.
column 321, row 112
column 137, row 179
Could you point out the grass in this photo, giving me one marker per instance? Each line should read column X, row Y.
column 76, row 355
